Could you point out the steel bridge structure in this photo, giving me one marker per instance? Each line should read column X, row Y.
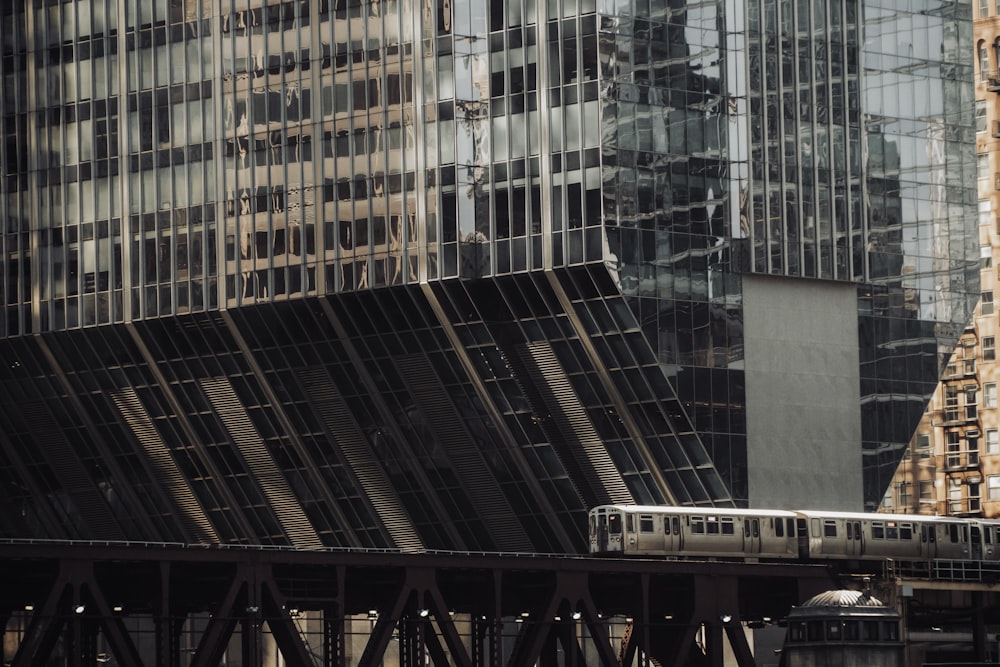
column 172, row 605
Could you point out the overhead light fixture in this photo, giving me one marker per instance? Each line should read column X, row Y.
column 79, row 609
column 372, row 614
column 117, row 608
column 726, row 618
column 29, row 607
column 252, row 610
column 576, row 615
column 423, row 613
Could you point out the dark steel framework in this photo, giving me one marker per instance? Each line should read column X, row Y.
column 103, row 602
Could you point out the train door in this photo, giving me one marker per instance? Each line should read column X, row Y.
column 673, row 541
column 751, row 535
column 854, row 538
column 928, row 540
column 802, row 530
column 610, row 532
column 602, row 532
column 976, row 543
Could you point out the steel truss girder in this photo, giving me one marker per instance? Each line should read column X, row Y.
column 70, row 603
column 563, row 606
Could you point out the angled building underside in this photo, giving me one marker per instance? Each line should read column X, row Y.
column 443, row 275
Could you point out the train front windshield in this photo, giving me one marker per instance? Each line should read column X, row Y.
column 614, row 524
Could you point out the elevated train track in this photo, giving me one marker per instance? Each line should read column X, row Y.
column 170, row 605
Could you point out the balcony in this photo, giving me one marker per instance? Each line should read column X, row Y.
column 993, row 84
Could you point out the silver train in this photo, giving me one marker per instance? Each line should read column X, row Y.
column 643, row 530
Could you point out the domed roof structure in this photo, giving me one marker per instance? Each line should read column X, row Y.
column 843, row 598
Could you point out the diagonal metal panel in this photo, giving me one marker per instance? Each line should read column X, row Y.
column 70, row 472
column 491, row 505
column 272, row 483
column 337, row 419
column 588, row 451
column 191, row 515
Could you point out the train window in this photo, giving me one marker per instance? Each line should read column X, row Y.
column 878, row 530
column 728, row 527
column 850, row 530
column 615, row 524
column 630, row 523
column 713, row 525
column 746, row 527
column 923, row 533
column 857, row 530
column 891, row 531
column 697, row 525
column 833, row 631
column 593, row 524
column 869, row 631
column 666, row 525
column 850, row 630
column 906, row 531
column 779, row 528
column 890, row 631
column 645, row 523
column 790, row 525
column 814, row 631
column 988, row 535
column 953, row 532
column 755, row 527
column 677, row 526
column 829, row 528
column 797, row 632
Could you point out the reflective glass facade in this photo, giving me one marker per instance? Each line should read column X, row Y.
column 444, row 274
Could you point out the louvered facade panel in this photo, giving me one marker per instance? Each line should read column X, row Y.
column 572, row 423
column 274, row 487
column 337, row 419
column 67, row 467
column 469, row 466
column 169, row 476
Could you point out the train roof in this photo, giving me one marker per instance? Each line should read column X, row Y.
column 812, row 514
column 707, row 511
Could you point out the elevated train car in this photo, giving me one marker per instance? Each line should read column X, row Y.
column 857, row 535
column 692, row 531
column 646, row 530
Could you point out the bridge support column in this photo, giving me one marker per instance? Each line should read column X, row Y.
column 979, row 635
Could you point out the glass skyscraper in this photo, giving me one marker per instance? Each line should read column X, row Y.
column 444, row 274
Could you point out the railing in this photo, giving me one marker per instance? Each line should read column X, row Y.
column 957, row 460
column 969, row 571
